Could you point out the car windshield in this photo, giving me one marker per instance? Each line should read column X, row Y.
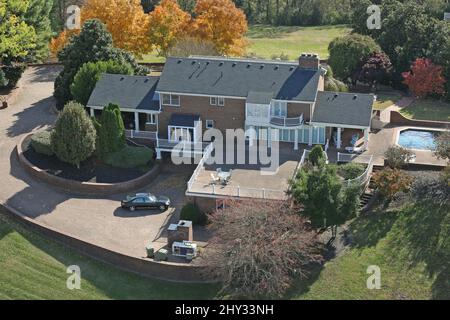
column 151, row 197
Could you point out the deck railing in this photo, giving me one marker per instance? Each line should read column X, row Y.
column 183, row 145
column 364, row 178
column 201, row 165
column 149, row 135
column 286, row 122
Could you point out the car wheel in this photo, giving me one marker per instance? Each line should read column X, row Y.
column 132, row 208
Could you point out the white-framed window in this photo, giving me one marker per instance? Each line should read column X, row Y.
column 151, row 118
column 209, row 124
column 278, row 109
column 171, row 100
column 217, row 101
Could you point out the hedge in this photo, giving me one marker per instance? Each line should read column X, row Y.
column 130, row 157
column 41, row 143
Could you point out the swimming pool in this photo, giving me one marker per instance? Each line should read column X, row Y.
column 418, row 139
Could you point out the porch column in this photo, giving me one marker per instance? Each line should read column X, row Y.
column 136, row 121
column 366, row 138
column 158, row 154
column 338, row 142
column 269, row 137
column 251, row 136
column 296, row 140
column 310, row 135
column 92, row 112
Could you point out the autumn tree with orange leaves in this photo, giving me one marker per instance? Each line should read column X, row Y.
column 425, row 78
column 124, row 19
column 220, row 22
column 167, row 24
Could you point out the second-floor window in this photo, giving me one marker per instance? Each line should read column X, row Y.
column 151, row 118
column 217, row 101
column 171, row 100
column 278, row 109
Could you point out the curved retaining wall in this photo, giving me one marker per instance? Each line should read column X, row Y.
column 398, row 119
column 168, row 271
column 84, row 188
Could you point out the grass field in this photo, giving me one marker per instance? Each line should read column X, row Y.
column 428, row 110
column 410, row 245
column 266, row 41
column 32, row 267
column 385, row 100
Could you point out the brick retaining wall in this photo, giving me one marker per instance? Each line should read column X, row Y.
column 398, row 119
column 84, row 188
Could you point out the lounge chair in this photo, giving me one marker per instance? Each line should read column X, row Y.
column 214, row 179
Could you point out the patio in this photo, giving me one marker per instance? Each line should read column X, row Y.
column 248, row 179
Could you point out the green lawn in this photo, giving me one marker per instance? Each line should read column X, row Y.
column 32, row 267
column 410, row 245
column 266, row 40
column 385, row 100
column 428, row 110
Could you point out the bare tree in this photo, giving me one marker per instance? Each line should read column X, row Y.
column 260, row 247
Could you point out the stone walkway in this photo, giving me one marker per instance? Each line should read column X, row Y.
column 404, row 102
column 97, row 220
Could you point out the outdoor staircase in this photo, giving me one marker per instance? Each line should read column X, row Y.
column 368, row 194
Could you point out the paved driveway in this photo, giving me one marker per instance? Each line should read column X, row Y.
column 97, row 220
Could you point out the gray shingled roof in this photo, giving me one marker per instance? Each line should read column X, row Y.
column 238, row 77
column 259, row 97
column 133, row 92
column 343, row 108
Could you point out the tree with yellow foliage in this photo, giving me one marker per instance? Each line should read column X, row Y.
column 58, row 43
column 168, row 23
column 124, row 19
column 220, row 22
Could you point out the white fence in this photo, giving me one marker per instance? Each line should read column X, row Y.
column 364, row 178
column 165, row 144
column 149, row 135
column 201, row 165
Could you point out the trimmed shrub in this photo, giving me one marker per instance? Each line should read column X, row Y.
column 73, row 139
column 110, row 131
column 350, row 170
column 190, row 212
column 130, row 157
column 13, row 72
column 389, row 182
column 317, row 156
column 41, row 142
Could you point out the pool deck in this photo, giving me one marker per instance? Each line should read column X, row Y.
column 380, row 141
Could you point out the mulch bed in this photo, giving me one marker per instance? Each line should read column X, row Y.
column 90, row 170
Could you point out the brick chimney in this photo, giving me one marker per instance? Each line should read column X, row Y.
column 309, row 61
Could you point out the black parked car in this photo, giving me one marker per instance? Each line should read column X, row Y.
column 145, row 201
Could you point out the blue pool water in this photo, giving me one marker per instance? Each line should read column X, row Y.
column 417, row 139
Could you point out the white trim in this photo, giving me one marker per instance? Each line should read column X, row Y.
column 152, row 115
column 128, row 110
column 348, row 126
column 223, row 101
column 211, row 103
column 199, row 95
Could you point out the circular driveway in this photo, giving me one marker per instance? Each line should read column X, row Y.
column 96, row 220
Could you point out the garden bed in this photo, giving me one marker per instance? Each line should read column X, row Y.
column 90, row 170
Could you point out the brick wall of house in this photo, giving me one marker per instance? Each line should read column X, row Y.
column 230, row 116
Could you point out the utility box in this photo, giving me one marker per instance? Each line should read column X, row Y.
column 161, row 255
column 185, row 249
column 180, row 232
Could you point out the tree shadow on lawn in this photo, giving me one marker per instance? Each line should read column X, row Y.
column 114, row 283
column 425, row 238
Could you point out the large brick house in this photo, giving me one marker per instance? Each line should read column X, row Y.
column 196, row 93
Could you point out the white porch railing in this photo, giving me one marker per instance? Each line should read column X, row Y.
column 201, row 165
column 150, row 135
column 245, row 192
column 286, row 122
column 182, row 145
